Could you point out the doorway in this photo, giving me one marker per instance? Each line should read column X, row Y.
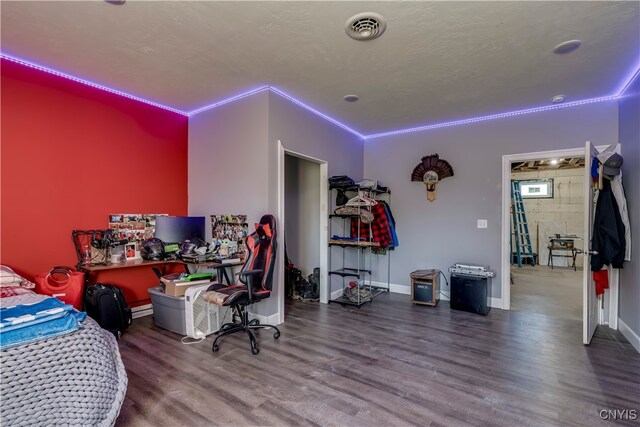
column 302, row 210
column 595, row 311
column 546, row 270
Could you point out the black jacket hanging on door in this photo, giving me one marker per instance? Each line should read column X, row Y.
column 608, row 231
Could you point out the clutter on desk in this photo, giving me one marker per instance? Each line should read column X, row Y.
column 133, row 229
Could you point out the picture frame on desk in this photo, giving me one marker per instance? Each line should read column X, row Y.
column 132, row 251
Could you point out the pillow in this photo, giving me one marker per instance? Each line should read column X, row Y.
column 12, row 291
column 8, row 277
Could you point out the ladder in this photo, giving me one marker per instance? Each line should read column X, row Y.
column 520, row 230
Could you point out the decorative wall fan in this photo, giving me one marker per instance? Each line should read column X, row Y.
column 431, row 170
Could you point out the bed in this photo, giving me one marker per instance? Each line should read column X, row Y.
column 77, row 378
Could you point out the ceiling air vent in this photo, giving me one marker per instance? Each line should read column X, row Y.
column 365, row 26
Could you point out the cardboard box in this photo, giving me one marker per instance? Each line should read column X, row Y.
column 177, row 288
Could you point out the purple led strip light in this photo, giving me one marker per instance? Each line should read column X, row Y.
column 318, row 113
column 314, row 111
column 228, row 100
column 628, row 82
column 86, row 82
column 492, row 117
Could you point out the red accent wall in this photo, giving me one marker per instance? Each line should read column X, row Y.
column 71, row 155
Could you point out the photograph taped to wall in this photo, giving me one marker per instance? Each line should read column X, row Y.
column 230, row 231
column 537, row 189
column 134, row 228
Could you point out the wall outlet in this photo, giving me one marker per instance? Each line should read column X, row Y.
column 482, row 223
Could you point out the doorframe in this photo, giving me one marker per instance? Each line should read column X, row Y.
column 505, row 268
column 324, row 219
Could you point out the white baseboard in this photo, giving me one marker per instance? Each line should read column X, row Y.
column 336, row 294
column 406, row 290
column 629, row 334
column 273, row 319
column 141, row 311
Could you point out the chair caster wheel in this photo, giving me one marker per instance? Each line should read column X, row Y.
column 255, row 350
column 216, row 347
column 276, row 335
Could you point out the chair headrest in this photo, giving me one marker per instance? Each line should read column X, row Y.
column 269, row 220
column 263, row 230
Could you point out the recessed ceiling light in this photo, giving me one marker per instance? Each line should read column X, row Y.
column 558, row 99
column 365, row 26
column 567, row 47
column 554, row 162
column 116, row 2
column 351, row 98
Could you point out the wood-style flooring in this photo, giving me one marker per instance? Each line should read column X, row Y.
column 386, row 364
column 554, row 292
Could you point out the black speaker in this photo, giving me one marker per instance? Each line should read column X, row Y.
column 470, row 293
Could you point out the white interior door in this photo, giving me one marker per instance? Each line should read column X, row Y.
column 590, row 301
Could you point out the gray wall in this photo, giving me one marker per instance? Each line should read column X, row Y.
column 302, row 212
column 233, row 163
column 227, row 167
column 630, row 147
column 227, row 170
column 439, row 234
column 303, row 132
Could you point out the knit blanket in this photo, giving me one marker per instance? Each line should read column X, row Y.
column 72, row 379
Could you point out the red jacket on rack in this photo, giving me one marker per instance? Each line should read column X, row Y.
column 379, row 227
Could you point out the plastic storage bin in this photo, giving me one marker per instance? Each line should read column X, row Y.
column 168, row 311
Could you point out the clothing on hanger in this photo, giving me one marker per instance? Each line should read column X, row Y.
column 392, row 224
column 380, row 229
column 361, row 200
column 608, row 237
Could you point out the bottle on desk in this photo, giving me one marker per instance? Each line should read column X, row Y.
column 86, row 260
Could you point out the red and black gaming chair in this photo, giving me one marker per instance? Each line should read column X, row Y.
column 254, row 284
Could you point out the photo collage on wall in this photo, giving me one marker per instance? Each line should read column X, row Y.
column 134, row 228
column 230, row 232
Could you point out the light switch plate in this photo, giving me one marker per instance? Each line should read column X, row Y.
column 482, row 223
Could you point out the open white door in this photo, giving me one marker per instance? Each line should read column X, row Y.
column 589, row 299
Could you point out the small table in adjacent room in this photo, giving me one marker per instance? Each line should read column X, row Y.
column 566, row 248
column 425, row 287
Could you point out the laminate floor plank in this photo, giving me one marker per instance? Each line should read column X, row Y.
column 387, row 363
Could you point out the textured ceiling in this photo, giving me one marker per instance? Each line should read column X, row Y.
column 437, row 61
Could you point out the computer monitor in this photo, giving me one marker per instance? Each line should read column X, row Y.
column 177, row 229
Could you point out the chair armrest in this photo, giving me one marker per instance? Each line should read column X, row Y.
column 250, row 274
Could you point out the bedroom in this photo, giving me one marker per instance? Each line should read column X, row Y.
column 80, row 153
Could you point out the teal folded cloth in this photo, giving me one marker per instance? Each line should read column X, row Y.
column 25, row 323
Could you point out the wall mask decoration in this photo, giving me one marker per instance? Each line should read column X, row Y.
column 431, row 170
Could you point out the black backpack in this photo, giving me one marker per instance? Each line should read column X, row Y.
column 106, row 305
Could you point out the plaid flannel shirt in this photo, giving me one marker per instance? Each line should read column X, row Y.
column 379, row 227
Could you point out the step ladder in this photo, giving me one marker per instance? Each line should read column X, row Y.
column 520, row 229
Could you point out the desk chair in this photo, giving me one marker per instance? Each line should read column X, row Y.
column 254, row 284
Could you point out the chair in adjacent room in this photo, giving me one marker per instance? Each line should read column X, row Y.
column 254, row 284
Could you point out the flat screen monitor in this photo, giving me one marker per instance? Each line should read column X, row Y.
column 177, row 229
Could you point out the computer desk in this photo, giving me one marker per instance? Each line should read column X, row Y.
column 92, row 271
